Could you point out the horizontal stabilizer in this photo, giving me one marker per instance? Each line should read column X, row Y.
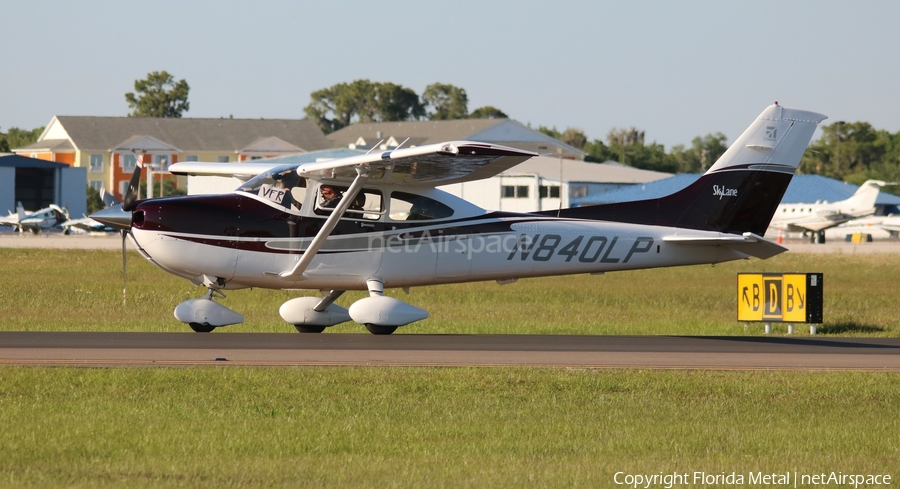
column 748, row 243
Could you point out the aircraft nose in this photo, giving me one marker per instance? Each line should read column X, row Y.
column 113, row 217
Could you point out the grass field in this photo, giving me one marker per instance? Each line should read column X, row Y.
column 60, row 290
column 439, row 427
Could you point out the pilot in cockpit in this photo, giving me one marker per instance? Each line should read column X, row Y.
column 330, row 197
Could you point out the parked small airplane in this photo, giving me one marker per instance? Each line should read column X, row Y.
column 374, row 221
column 45, row 219
column 86, row 224
column 819, row 216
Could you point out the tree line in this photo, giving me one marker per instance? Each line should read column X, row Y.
column 343, row 104
column 848, row 151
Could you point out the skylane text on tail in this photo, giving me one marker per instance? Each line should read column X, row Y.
column 375, row 221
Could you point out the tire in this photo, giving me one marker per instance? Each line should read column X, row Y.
column 201, row 328
column 376, row 329
column 309, row 329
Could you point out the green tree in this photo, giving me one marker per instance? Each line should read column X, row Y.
column 17, row 138
column 552, row 132
column 704, row 151
column 448, row 101
column 94, row 202
column 598, row 152
column 574, row 137
column 847, row 150
column 488, row 112
column 342, row 104
column 159, row 95
column 397, row 103
column 168, row 186
column 623, row 141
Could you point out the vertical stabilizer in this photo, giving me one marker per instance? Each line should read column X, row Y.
column 776, row 139
column 864, row 198
column 740, row 192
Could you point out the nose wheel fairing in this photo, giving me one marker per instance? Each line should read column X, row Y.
column 204, row 315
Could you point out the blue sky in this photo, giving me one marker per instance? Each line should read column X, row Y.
column 676, row 70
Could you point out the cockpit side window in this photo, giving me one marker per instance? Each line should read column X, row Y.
column 367, row 205
column 411, row 207
column 281, row 186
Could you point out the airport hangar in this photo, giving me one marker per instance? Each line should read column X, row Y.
column 38, row 183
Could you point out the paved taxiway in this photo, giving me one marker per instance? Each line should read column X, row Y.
column 771, row 352
column 168, row 349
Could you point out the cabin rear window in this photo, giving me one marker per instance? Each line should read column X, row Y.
column 411, row 207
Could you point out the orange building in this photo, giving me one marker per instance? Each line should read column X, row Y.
column 107, row 146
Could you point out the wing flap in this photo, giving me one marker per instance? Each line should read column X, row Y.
column 748, row 243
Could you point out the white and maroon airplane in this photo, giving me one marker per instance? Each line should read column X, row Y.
column 390, row 227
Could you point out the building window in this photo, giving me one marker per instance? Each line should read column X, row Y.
column 96, row 185
column 128, row 162
column 551, row 191
column 191, row 158
column 223, row 159
column 514, row 191
column 96, row 163
column 161, row 162
column 578, row 191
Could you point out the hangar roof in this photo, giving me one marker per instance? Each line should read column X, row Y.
column 17, row 161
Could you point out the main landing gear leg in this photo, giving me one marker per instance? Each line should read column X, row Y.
column 376, row 289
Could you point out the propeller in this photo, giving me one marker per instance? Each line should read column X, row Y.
column 131, row 194
column 119, row 216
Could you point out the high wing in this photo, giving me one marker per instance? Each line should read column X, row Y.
column 241, row 171
column 431, row 165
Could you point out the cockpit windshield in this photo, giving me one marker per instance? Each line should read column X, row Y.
column 280, row 185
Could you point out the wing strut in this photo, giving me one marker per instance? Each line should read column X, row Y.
column 362, row 175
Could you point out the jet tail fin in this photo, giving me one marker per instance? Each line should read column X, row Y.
column 865, row 196
column 20, row 211
column 740, row 192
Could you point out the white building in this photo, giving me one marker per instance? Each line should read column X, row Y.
column 544, row 183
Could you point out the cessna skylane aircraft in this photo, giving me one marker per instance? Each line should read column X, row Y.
column 375, row 221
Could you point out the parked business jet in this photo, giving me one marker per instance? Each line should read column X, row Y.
column 819, row 216
column 45, row 219
column 375, row 221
